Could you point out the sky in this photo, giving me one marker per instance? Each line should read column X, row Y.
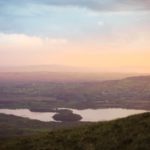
column 107, row 35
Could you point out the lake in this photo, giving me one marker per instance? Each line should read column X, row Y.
column 91, row 115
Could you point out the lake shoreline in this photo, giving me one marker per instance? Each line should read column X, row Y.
column 78, row 108
column 87, row 115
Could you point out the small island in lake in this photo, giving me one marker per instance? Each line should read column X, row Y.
column 65, row 115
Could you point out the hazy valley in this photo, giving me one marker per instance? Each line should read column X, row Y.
column 44, row 95
column 74, row 75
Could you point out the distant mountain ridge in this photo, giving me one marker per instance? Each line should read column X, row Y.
column 64, row 68
column 40, row 68
column 59, row 73
column 60, row 76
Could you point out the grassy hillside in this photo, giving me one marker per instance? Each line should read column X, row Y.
column 11, row 126
column 132, row 133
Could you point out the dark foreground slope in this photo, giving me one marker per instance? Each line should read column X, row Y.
column 132, row 133
column 13, row 126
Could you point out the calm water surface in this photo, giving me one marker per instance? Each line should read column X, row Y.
column 91, row 115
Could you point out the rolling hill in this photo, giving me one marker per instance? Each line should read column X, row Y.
column 11, row 126
column 132, row 133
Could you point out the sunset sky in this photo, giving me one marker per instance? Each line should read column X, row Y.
column 109, row 35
